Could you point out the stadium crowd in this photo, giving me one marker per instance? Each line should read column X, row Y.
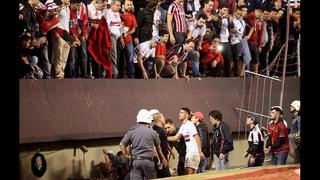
column 154, row 38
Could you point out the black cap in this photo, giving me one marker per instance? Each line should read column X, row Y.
column 277, row 108
column 254, row 118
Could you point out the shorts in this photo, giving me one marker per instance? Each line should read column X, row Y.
column 192, row 160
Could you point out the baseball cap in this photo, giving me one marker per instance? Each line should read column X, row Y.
column 156, row 39
column 198, row 114
column 277, row 108
column 253, row 117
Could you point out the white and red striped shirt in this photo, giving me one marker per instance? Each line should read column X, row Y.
column 114, row 22
column 179, row 19
column 178, row 51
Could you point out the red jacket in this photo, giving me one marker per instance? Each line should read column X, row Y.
column 256, row 36
column 74, row 25
column 84, row 18
column 99, row 43
column 208, row 55
column 277, row 130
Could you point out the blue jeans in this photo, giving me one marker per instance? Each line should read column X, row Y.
column 202, row 165
column 195, row 63
column 37, row 73
column 129, row 50
column 279, row 158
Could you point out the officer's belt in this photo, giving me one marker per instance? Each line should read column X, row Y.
column 142, row 158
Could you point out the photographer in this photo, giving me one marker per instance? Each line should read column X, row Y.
column 212, row 60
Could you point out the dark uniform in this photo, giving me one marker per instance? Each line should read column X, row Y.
column 142, row 140
column 180, row 146
column 256, row 145
column 163, row 172
column 202, row 129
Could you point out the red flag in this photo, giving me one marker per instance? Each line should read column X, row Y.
column 99, row 43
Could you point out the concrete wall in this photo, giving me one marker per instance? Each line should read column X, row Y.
column 62, row 164
column 79, row 109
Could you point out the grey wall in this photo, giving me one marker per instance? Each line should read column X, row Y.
column 77, row 109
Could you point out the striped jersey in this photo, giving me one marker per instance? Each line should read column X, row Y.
column 179, row 19
column 178, row 51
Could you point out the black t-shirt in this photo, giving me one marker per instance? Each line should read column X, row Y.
column 163, row 139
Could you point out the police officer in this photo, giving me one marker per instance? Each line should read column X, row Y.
column 142, row 139
column 294, row 135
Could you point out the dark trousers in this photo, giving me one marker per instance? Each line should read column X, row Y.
column 292, row 66
column 143, row 169
column 180, row 37
column 264, row 58
column 70, row 71
column 226, row 54
column 181, row 165
column 279, row 158
column 210, row 71
column 163, row 172
column 258, row 161
column 81, row 61
column 235, row 49
column 77, row 62
column 45, row 63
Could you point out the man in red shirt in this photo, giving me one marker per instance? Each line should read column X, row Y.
column 161, row 51
column 255, row 40
column 211, row 58
column 278, row 141
column 129, row 27
column 74, row 31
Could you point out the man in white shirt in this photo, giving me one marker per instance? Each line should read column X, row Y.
column 224, row 39
column 95, row 9
column 192, row 139
column 236, row 34
column 144, row 55
column 114, row 24
column 196, row 31
column 61, row 47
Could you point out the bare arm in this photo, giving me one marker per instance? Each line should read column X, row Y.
column 197, row 138
column 169, row 24
column 199, row 43
column 140, row 63
column 174, row 138
column 171, row 152
column 170, row 30
column 249, row 34
column 123, row 149
column 160, row 154
column 131, row 31
column 189, row 34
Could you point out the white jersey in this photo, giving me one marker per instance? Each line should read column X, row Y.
column 188, row 130
column 255, row 135
column 156, row 22
column 114, row 22
column 240, row 25
column 196, row 31
column 93, row 13
column 224, row 33
column 64, row 18
column 145, row 50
